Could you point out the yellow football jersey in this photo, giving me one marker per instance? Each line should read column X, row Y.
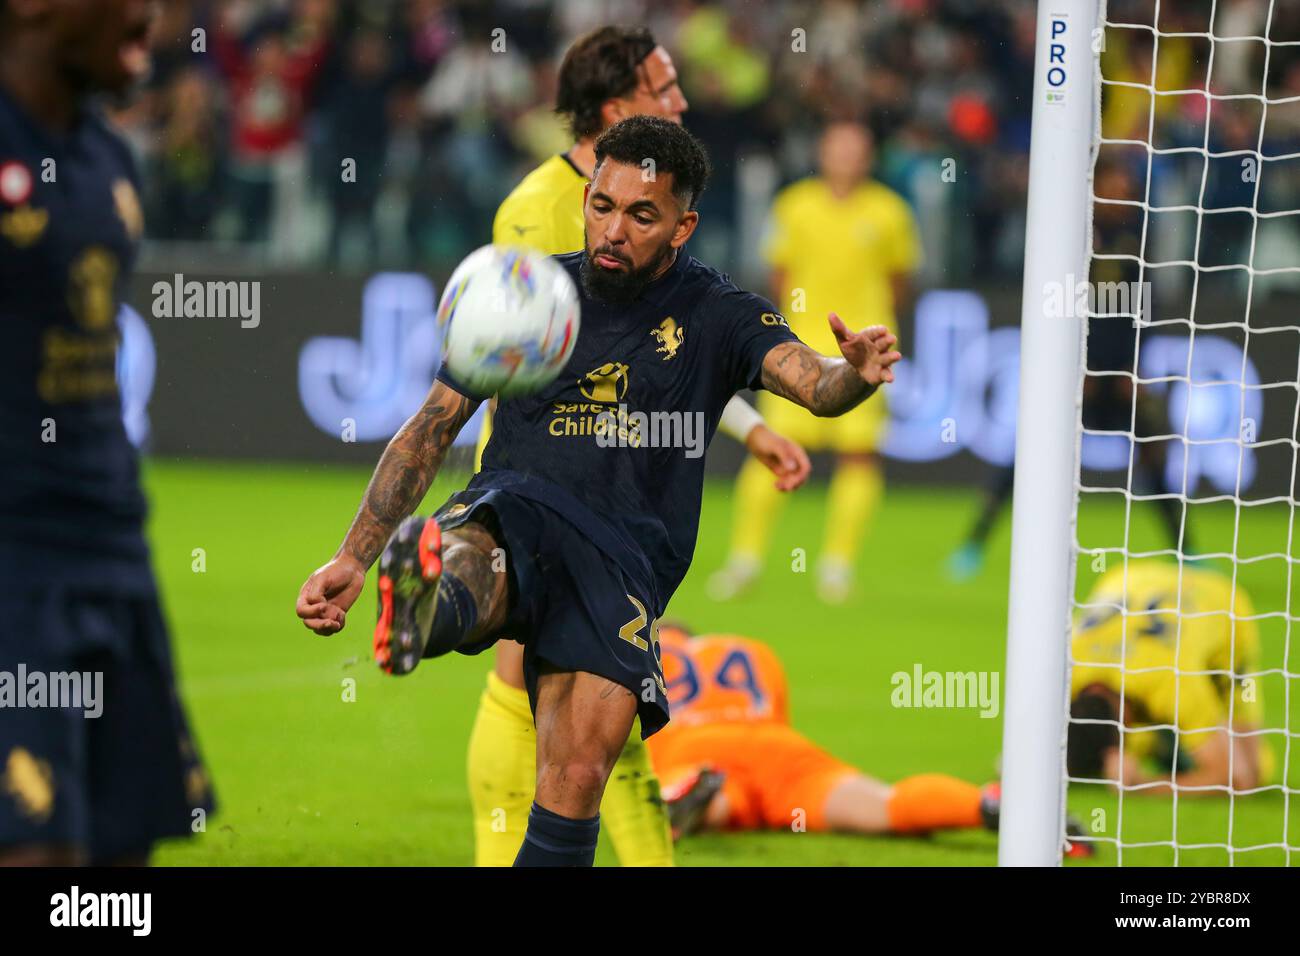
column 544, row 211
column 841, row 254
column 1196, row 628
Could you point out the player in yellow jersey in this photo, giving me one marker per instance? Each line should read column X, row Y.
column 841, row 242
column 1191, row 701
column 607, row 75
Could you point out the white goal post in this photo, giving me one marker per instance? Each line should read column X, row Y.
column 1042, row 566
column 1237, row 69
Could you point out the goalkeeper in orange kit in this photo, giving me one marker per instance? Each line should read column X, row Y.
column 730, row 759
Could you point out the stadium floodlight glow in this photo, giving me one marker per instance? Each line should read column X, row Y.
column 1042, row 566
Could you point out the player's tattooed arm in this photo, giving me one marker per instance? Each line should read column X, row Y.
column 406, row 470
column 824, row 386
column 401, row 478
column 828, row 386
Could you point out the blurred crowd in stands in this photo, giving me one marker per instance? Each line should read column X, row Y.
column 383, row 133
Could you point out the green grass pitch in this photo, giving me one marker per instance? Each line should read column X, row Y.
column 306, row 778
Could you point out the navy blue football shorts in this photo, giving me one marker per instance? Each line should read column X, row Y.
column 96, row 754
column 572, row 605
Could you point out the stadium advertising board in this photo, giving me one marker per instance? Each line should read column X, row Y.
column 336, row 364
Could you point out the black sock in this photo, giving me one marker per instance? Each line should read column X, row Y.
column 553, row 840
column 453, row 618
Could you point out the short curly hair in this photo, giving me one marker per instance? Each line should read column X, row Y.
column 669, row 146
column 599, row 66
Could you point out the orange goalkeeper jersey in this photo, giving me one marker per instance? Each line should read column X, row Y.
column 722, row 679
column 730, row 711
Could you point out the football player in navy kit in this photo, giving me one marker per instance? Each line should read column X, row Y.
column 597, row 529
column 80, row 594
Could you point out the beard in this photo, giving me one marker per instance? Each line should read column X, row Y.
column 615, row 286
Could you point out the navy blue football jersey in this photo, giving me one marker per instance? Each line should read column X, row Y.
column 71, row 508
column 616, row 442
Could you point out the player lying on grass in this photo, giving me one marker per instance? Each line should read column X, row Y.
column 596, row 538
column 1190, row 708
column 731, row 761
column 607, row 75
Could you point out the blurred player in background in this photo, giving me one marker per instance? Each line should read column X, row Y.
column 80, row 594
column 607, row 75
column 1112, row 399
column 1191, row 704
column 839, row 241
column 731, row 761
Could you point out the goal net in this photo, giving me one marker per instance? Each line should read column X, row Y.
column 1173, row 736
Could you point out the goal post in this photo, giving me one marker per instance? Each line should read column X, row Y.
column 1154, row 538
column 1042, row 561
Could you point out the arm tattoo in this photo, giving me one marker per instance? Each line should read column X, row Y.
column 406, row 470
column 825, row 386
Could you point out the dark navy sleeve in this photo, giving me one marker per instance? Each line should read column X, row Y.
column 444, row 375
column 751, row 327
column 118, row 145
